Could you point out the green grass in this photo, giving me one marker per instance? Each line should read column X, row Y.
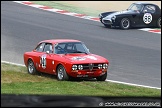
column 16, row 80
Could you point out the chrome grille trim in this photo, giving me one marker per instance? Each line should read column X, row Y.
column 108, row 21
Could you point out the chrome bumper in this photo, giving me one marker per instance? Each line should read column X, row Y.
column 107, row 21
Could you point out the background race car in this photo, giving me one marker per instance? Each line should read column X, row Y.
column 137, row 15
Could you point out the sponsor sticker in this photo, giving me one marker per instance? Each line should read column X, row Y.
column 83, row 58
column 78, row 58
column 91, row 57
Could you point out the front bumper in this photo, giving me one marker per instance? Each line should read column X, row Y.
column 107, row 21
column 113, row 23
column 87, row 73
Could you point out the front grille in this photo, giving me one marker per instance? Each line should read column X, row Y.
column 90, row 66
column 107, row 21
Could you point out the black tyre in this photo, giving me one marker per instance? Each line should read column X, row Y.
column 102, row 78
column 159, row 23
column 61, row 74
column 31, row 68
column 125, row 23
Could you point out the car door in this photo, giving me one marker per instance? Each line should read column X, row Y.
column 135, row 14
column 147, row 17
column 47, row 59
column 38, row 52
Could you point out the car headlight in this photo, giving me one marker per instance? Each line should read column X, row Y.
column 105, row 66
column 74, row 67
column 99, row 66
column 113, row 18
column 80, row 67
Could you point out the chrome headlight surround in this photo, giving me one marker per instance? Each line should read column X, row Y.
column 99, row 66
column 80, row 67
column 74, row 67
column 105, row 66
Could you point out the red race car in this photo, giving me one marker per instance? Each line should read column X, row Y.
column 66, row 58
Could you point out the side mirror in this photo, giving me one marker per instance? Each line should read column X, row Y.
column 88, row 50
column 145, row 11
column 47, row 52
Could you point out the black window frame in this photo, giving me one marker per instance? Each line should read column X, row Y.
column 39, row 47
column 45, row 46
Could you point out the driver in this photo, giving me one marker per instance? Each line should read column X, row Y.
column 138, row 8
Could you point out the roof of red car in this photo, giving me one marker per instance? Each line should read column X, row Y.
column 60, row 40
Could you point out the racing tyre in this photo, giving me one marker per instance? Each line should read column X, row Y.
column 61, row 74
column 102, row 78
column 31, row 68
column 125, row 23
column 159, row 23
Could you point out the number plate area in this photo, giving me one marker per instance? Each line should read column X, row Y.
column 82, row 75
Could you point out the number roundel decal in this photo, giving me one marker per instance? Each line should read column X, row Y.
column 43, row 61
column 147, row 18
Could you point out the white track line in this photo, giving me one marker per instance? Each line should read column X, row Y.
column 12, row 63
column 133, row 84
column 106, row 80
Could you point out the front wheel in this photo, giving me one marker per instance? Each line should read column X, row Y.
column 159, row 23
column 125, row 23
column 102, row 78
column 31, row 68
column 61, row 74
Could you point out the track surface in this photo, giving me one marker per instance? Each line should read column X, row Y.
column 134, row 55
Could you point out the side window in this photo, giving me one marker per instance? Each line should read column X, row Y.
column 40, row 47
column 48, row 47
column 149, row 9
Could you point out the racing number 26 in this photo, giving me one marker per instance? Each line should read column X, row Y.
column 43, row 61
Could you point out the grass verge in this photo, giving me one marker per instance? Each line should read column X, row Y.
column 16, row 80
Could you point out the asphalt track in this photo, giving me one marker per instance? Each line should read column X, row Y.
column 134, row 55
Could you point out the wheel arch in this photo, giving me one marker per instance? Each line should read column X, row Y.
column 126, row 17
column 157, row 22
column 59, row 65
column 30, row 58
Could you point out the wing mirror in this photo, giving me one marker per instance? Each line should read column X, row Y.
column 145, row 11
column 88, row 50
column 47, row 52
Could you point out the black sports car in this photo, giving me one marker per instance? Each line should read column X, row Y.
column 137, row 15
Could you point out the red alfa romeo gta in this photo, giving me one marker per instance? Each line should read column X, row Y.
column 66, row 58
